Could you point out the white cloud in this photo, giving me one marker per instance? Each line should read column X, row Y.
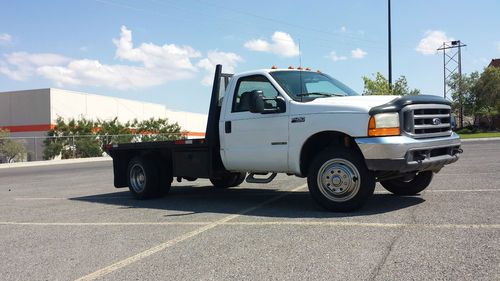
column 343, row 29
column 5, row 38
column 229, row 62
column 432, row 40
column 358, row 53
column 21, row 65
column 151, row 55
column 282, row 44
column 156, row 65
column 333, row 56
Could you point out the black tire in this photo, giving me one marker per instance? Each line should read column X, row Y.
column 228, row 180
column 166, row 178
column 144, row 180
column 239, row 179
column 339, row 180
column 400, row 187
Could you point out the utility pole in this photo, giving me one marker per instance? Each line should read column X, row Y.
column 389, row 42
column 452, row 64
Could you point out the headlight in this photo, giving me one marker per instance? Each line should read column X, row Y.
column 384, row 124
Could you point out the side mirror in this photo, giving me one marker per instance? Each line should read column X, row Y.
column 280, row 104
column 256, row 103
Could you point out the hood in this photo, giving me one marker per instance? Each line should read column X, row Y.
column 347, row 104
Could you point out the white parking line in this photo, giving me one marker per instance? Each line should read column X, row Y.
column 365, row 224
column 69, row 198
column 465, row 190
column 448, row 190
column 100, row 223
column 260, row 223
column 467, row 175
column 108, row 269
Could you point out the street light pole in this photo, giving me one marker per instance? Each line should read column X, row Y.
column 389, row 43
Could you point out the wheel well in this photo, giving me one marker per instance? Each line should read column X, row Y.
column 318, row 142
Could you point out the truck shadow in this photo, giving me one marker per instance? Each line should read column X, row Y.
column 190, row 200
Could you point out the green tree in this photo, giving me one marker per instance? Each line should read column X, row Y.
column 75, row 138
column 380, row 86
column 487, row 93
column 464, row 85
column 84, row 138
column 9, row 148
column 158, row 130
column 116, row 132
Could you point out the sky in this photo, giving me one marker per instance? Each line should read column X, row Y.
column 164, row 51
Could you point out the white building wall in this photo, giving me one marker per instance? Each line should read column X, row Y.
column 70, row 104
column 30, row 107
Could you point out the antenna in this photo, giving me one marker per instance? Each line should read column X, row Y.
column 300, row 74
column 300, row 56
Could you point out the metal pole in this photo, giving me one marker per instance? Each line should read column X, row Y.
column 444, row 70
column 34, row 148
column 460, row 93
column 448, row 73
column 389, row 43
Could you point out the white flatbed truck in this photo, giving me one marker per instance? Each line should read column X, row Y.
column 301, row 123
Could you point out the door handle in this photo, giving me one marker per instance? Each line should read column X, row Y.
column 227, row 127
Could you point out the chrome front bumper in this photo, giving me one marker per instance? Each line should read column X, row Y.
column 405, row 154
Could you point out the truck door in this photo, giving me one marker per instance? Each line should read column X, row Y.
column 254, row 141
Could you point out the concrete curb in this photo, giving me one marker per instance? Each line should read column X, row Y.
column 481, row 139
column 54, row 162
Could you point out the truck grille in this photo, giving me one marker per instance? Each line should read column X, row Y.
column 426, row 120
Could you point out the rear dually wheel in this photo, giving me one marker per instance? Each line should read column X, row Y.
column 144, row 180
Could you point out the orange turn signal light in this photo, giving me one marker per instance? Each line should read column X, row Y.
column 373, row 131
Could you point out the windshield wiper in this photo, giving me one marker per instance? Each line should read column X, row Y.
column 320, row 94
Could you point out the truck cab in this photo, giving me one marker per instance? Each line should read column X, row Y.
column 310, row 125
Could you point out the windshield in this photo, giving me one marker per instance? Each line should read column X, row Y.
column 305, row 85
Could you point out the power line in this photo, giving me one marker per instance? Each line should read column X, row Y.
column 189, row 12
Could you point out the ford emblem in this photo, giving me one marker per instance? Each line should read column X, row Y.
column 436, row 121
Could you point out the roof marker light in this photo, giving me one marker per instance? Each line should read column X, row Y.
column 308, row 68
column 290, row 67
column 299, row 67
column 274, row 67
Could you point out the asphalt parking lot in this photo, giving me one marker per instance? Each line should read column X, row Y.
column 66, row 222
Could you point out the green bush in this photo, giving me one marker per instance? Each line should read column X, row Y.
column 471, row 129
column 86, row 147
column 85, row 138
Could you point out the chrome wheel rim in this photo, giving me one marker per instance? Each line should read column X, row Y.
column 338, row 180
column 137, row 178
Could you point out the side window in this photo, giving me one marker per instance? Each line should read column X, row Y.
column 248, row 84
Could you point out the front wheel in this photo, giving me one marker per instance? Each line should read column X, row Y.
column 339, row 180
column 412, row 187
